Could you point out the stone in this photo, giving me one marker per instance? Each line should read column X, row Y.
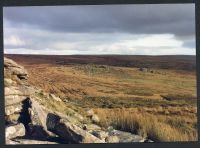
column 91, row 127
column 13, row 118
column 11, row 142
column 15, row 131
column 71, row 119
column 148, row 140
column 55, row 98
column 68, row 131
column 90, row 113
column 112, row 139
column 143, row 69
column 126, row 137
column 110, row 129
column 13, row 109
column 95, row 119
column 100, row 134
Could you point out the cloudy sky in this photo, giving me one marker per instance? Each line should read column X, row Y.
column 102, row 29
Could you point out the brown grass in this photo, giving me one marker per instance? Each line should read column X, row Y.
column 156, row 127
column 126, row 98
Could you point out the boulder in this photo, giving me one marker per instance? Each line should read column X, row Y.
column 91, row 127
column 73, row 119
column 13, row 118
column 69, row 131
column 15, row 131
column 95, row 119
column 112, row 139
column 126, row 137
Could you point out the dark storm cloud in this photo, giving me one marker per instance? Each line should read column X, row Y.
column 176, row 19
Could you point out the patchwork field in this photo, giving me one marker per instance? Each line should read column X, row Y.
column 154, row 96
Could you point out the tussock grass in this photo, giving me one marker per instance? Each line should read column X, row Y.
column 157, row 128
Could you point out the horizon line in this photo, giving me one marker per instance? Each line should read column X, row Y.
column 102, row 54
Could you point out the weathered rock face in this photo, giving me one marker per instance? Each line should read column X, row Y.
column 18, row 108
column 16, row 90
column 69, row 131
column 12, row 68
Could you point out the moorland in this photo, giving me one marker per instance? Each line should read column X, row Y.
column 152, row 96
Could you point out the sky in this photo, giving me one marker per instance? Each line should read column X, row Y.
column 151, row 29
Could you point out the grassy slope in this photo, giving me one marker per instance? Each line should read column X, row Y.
column 153, row 104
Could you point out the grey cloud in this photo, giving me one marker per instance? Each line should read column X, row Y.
column 189, row 44
column 178, row 19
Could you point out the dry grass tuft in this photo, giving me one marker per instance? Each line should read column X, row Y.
column 147, row 125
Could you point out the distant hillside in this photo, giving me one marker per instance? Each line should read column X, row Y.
column 176, row 62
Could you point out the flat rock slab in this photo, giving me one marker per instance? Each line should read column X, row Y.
column 69, row 132
column 14, row 99
column 28, row 141
column 125, row 137
column 41, row 114
column 20, row 90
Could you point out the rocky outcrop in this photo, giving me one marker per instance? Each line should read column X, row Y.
column 18, row 104
column 29, row 122
column 16, row 90
column 69, row 131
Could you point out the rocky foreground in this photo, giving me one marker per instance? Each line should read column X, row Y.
column 29, row 122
